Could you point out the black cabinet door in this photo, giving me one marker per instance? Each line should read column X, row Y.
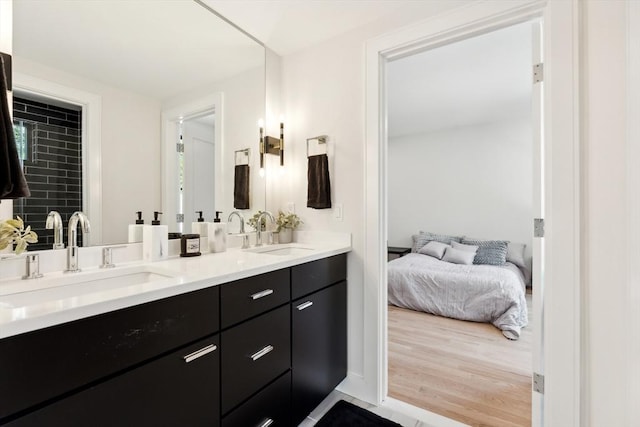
column 319, row 347
column 180, row 389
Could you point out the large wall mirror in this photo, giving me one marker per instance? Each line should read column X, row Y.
column 138, row 105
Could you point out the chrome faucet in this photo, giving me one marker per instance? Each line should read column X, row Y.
column 72, row 249
column 245, row 236
column 259, row 226
column 54, row 221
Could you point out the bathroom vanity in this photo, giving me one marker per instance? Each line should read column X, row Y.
column 260, row 341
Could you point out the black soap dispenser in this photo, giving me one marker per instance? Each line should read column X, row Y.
column 135, row 230
column 156, row 220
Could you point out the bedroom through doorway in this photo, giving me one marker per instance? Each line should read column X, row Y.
column 464, row 179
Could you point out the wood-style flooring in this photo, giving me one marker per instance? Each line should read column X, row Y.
column 465, row 371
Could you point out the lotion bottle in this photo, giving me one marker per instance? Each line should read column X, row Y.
column 155, row 240
column 135, row 230
column 217, row 234
column 202, row 228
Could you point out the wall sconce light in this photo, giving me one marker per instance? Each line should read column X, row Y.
column 271, row 145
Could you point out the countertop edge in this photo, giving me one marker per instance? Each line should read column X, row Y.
column 184, row 283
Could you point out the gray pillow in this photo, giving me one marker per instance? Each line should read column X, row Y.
column 468, row 248
column 434, row 249
column 515, row 254
column 424, row 237
column 458, row 256
column 491, row 252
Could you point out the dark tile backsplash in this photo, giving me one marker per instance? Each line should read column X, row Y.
column 54, row 169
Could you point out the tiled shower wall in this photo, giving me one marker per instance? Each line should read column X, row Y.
column 53, row 168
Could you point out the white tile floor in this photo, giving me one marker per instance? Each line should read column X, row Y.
column 388, row 413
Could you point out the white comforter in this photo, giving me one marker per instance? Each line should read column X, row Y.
column 481, row 293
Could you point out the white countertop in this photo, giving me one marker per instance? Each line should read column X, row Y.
column 24, row 309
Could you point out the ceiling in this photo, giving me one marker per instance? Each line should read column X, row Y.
column 156, row 48
column 288, row 26
column 479, row 80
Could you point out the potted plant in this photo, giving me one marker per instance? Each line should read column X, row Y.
column 12, row 231
column 286, row 222
column 253, row 221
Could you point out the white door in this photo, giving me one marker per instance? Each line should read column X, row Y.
column 538, row 212
column 199, row 170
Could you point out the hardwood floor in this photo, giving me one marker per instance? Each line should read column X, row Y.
column 463, row 370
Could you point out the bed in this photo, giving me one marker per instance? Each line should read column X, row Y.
column 480, row 293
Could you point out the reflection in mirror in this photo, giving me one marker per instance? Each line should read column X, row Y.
column 130, row 81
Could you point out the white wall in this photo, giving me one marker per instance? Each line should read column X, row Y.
column 474, row 181
column 324, row 93
column 606, row 223
column 130, row 149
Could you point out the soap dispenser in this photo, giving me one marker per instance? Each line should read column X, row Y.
column 217, row 234
column 135, row 230
column 202, row 228
column 155, row 240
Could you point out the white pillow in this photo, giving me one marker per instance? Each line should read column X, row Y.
column 463, row 247
column 434, row 249
column 515, row 254
column 459, row 256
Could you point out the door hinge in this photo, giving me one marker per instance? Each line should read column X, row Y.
column 179, row 217
column 538, row 73
column 538, row 383
column 180, row 148
column 538, row 227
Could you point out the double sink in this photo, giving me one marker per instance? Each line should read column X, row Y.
column 57, row 291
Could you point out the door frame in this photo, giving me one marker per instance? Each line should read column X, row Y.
column 91, row 138
column 170, row 121
column 561, row 356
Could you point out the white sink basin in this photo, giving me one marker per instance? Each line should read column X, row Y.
column 282, row 250
column 69, row 288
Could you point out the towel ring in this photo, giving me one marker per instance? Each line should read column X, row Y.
column 242, row 157
column 322, row 139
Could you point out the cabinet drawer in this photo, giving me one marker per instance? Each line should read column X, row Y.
column 253, row 354
column 166, row 392
column 273, row 403
column 43, row 364
column 310, row 277
column 249, row 297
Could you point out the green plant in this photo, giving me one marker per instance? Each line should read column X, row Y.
column 253, row 221
column 287, row 220
column 12, row 231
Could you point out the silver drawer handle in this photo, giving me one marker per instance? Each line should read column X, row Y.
column 266, row 423
column 258, row 354
column 261, row 294
column 199, row 353
column 304, row 305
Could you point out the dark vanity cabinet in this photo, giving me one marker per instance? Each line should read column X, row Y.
column 108, row 364
column 179, row 389
column 318, row 333
column 264, row 350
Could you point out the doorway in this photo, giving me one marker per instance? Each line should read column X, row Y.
column 461, row 163
column 560, row 348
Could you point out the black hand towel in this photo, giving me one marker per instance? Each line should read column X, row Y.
column 319, row 185
column 13, row 185
column 241, row 187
